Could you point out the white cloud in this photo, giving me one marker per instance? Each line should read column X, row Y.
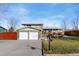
column 22, row 11
column 51, row 21
column 57, row 17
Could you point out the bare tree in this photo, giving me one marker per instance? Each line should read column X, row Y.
column 64, row 24
column 12, row 24
column 75, row 23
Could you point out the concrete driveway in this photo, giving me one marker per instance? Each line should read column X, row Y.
column 20, row 48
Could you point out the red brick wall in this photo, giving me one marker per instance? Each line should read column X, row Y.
column 8, row 36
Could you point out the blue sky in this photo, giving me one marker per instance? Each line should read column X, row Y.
column 48, row 14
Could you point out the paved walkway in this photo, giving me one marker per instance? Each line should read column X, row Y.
column 20, row 48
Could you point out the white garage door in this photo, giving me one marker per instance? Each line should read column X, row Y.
column 28, row 35
column 23, row 35
column 33, row 35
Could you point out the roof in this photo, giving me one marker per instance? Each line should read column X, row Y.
column 29, row 27
column 71, row 30
column 32, row 24
column 3, row 28
column 52, row 29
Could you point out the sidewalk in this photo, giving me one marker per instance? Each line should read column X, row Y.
column 61, row 54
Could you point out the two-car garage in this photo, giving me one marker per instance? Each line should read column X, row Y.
column 30, row 32
column 28, row 35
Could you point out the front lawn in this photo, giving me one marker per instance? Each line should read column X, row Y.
column 61, row 46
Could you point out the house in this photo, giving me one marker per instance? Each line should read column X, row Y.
column 2, row 29
column 54, row 31
column 30, row 32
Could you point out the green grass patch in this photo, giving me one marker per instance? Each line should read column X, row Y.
column 61, row 46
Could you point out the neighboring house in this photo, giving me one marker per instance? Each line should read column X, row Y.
column 2, row 29
column 30, row 32
column 54, row 31
column 45, row 31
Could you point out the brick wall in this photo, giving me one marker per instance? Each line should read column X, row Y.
column 8, row 36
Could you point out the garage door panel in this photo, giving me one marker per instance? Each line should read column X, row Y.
column 23, row 35
column 28, row 35
column 33, row 35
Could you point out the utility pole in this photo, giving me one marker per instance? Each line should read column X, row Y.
column 49, row 44
column 49, row 39
column 42, row 48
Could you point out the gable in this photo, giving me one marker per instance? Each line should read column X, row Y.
column 29, row 29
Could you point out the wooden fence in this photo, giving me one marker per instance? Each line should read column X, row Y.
column 72, row 33
column 8, row 36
